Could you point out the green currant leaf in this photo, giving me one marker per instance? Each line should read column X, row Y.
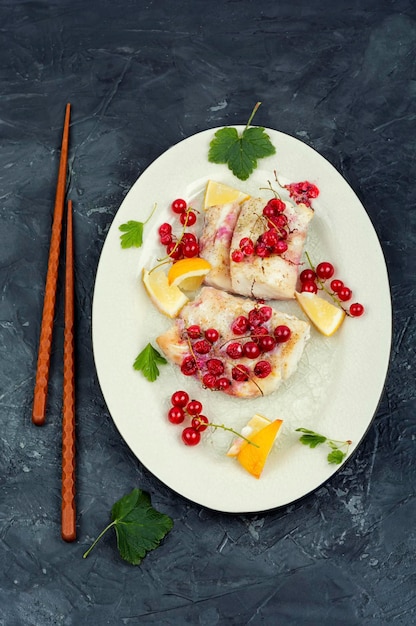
column 139, row 527
column 240, row 152
column 336, row 457
column 133, row 234
column 147, row 362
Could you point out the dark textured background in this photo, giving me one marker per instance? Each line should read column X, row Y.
column 141, row 76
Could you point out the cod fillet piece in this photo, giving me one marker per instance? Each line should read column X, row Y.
column 272, row 277
column 215, row 243
column 218, row 309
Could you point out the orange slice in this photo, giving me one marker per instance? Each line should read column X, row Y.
column 188, row 274
column 167, row 298
column 326, row 317
column 256, row 423
column 218, row 193
column 254, row 457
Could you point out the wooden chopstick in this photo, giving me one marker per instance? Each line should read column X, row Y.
column 45, row 341
column 68, row 513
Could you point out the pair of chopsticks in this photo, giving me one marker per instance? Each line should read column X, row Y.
column 68, row 513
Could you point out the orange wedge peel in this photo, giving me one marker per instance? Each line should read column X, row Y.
column 188, row 274
column 253, row 456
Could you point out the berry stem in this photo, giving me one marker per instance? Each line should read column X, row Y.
column 234, row 432
column 323, row 287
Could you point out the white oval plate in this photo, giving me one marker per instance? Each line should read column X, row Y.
column 337, row 387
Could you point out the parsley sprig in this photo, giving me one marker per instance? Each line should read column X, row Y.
column 147, row 362
column 132, row 230
column 240, row 152
column 339, row 449
column 139, row 527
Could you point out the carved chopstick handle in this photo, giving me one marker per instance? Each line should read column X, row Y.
column 45, row 341
column 68, row 513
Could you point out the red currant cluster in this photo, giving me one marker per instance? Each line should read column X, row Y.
column 182, row 407
column 255, row 340
column 186, row 245
column 313, row 279
column 302, row 193
column 274, row 238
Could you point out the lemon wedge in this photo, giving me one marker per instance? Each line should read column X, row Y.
column 254, row 457
column 167, row 298
column 256, row 423
column 218, row 193
column 188, row 274
column 326, row 317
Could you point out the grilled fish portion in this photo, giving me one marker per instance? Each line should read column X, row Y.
column 272, row 277
column 215, row 242
column 217, row 309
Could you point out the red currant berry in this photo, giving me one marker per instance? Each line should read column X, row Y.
column 267, row 343
column 165, row 229
column 189, row 366
column 215, row 366
column 188, row 218
column 258, row 332
column 282, row 333
column 280, row 247
column 266, row 313
column 255, row 318
column 307, row 276
column 262, row 250
column 209, row 381
column 189, row 238
column 194, row 331
column 194, row 407
column 240, row 325
column 356, row 309
column 309, row 287
column 176, row 415
column 174, row 250
column 336, row 285
column 212, row 335
column 190, row 436
column 251, row 350
column 190, row 249
column 166, row 239
column 202, row 346
column 262, row 369
column 180, row 398
column 223, row 384
column 237, row 256
column 234, row 350
column 344, row 294
column 178, row 206
column 240, row 373
column 325, row 270
column 200, row 423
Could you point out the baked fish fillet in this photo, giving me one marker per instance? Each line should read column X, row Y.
column 218, row 309
column 273, row 277
column 215, row 242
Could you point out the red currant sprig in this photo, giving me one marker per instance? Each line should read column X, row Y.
column 314, row 278
column 182, row 407
column 187, row 244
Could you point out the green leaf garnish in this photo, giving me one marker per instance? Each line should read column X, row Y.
column 241, row 152
column 133, row 232
column 147, row 362
column 139, row 527
column 312, row 439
